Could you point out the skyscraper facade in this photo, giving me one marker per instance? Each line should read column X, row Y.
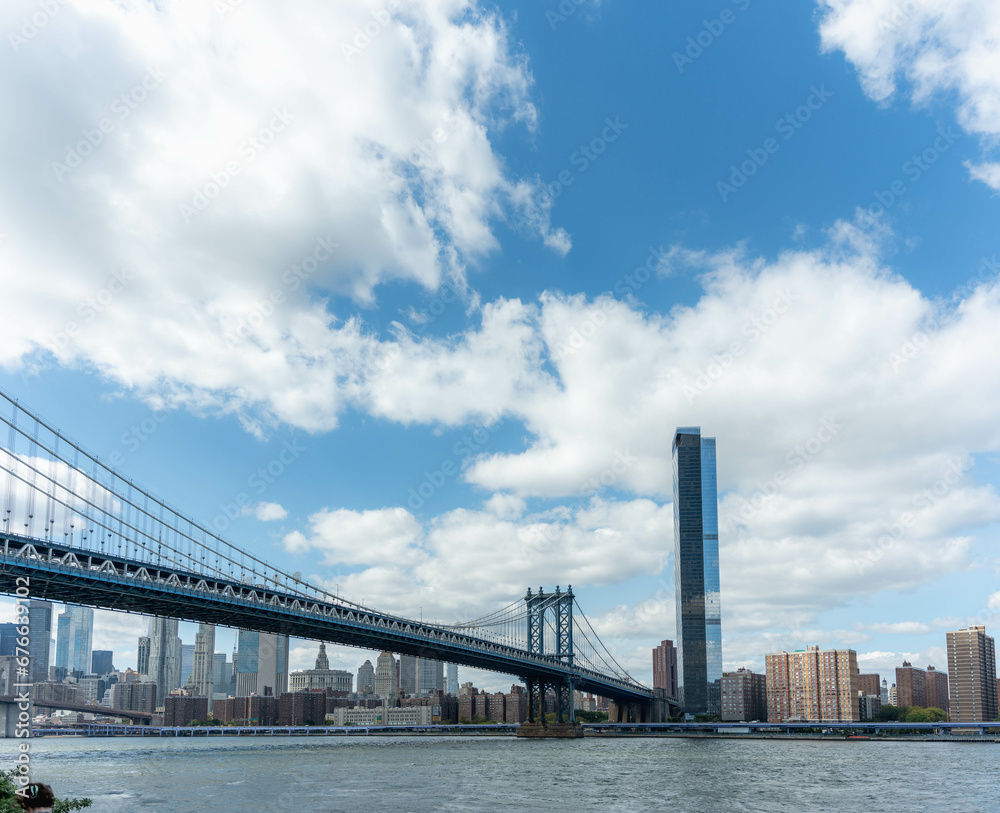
column 972, row 675
column 430, row 676
column 83, row 638
column 222, row 671
column 203, row 667
column 40, row 629
column 102, row 662
column 452, row 679
column 408, row 674
column 696, row 570
column 164, row 656
column 385, row 675
column 142, row 667
column 366, row 678
column 64, row 641
column 262, row 665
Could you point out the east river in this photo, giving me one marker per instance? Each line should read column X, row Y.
column 499, row 774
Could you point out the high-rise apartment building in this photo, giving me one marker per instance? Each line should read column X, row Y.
column 972, row 672
column 665, row 667
column 40, row 633
column 385, row 675
column 743, row 696
column 203, row 667
column 911, row 685
column 262, row 665
column 870, row 684
column 142, row 667
column 366, row 678
column 696, row 569
column 813, row 686
column 937, row 690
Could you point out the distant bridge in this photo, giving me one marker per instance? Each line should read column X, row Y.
column 82, row 533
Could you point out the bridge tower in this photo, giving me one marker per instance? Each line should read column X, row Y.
column 552, row 612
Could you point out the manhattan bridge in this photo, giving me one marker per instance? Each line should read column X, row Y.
column 83, row 533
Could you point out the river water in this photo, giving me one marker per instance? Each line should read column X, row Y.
column 498, row 774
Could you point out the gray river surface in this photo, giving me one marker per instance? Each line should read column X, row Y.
column 416, row 774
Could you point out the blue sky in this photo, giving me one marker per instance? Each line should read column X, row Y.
column 808, row 192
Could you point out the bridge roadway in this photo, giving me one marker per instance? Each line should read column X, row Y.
column 62, row 573
column 85, row 707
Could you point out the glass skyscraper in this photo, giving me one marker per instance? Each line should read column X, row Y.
column 696, row 570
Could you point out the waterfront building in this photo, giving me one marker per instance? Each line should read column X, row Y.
column 302, row 708
column 813, row 686
column 495, row 708
column 40, row 633
column 870, row 706
column 665, row 668
column 262, row 665
column 743, row 696
column 515, row 709
column 203, row 662
column 972, row 671
column 181, row 710
column 384, row 715
column 870, row 684
column 451, row 682
column 937, row 690
column 911, row 685
column 102, row 661
column 321, row 677
column 366, row 678
column 696, row 569
column 386, row 675
column 254, row 710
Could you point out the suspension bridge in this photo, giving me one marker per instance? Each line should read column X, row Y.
column 80, row 532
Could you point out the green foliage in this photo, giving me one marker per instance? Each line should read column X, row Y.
column 890, row 714
column 921, row 715
column 9, row 803
column 707, row 718
column 591, row 716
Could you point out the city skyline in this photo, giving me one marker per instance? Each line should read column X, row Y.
column 444, row 377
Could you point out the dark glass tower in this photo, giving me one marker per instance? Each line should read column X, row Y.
column 696, row 570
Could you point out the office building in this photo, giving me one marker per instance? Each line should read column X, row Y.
column 743, row 696
column 366, row 678
column 64, row 641
column 386, row 675
column 451, row 682
column 972, row 673
column 262, row 665
column 142, row 667
column 8, row 639
column 665, row 668
column 321, row 677
column 187, row 664
column 102, row 662
column 430, row 676
column 813, row 686
column 83, row 638
column 696, row 569
column 203, row 663
column 870, row 684
column 40, row 633
column 221, row 673
column 408, row 674
column 164, row 668
column 884, row 694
